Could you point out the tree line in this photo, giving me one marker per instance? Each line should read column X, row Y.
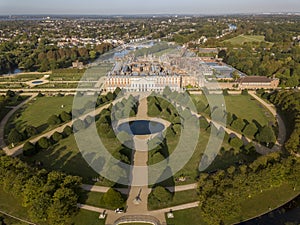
column 49, row 197
column 38, row 56
column 288, row 102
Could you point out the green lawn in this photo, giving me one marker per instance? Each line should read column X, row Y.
column 93, row 199
column 65, row 157
column 241, row 39
column 12, row 206
column 10, row 221
column 266, row 200
column 245, row 107
column 188, row 216
column 21, row 77
column 37, row 112
column 87, row 218
column 181, row 197
column 257, row 205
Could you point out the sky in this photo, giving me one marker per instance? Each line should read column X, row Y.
column 105, row 7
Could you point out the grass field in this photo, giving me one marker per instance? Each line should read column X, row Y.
column 188, row 216
column 245, row 107
column 241, row 39
column 93, row 199
column 65, row 157
column 181, row 197
column 87, row 218
column 37, row 112
column 251, row 207
column 12, row 206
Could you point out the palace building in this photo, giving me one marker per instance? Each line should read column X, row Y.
column 147, row 75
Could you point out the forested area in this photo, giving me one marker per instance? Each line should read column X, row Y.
column 48, row 196
column 39, row 55
column 280, row 61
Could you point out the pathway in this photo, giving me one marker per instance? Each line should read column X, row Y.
column 18, row 149
column 137, row 202
column 17, row 218
column 281, row 126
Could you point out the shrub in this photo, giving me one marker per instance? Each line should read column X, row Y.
column 236, row 142
column 250, row 130
column 78, row 125
column 14, row 136
column 29, row 149
column 64, row 116
column 56, row 137
column 238, row 124
column 161, row 194
column 54, row 120
column 113, row 199
column 67, row 131
column 245, row 92
column 43, row 143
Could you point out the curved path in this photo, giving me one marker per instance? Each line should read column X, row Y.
column 17, row 150
column 281, row 126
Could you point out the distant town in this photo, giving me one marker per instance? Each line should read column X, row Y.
column 150, row 119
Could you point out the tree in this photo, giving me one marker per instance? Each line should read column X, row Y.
column 30, row 131
column 43, row 143
column 236, row 142
column 64, row 116
column 10, row 94
column 79, row 125
column 238, row 124
column 29, row 149
column 235, row 75
column 266, row 135
column 64, row 205
column 14, row 136
column 161, row 194
column 113, row 198
column 54, row 120
column 67, row 131
column 92, row 54
column 56, row 137
column 225, row 92
column 250, row 130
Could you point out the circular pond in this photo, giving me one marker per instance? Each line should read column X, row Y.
column 141, row 127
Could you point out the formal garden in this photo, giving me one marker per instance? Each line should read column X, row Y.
column 238, row 179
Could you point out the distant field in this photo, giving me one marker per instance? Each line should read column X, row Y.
column 241, row 39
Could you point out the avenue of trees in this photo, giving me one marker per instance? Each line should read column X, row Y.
column 251, row 129
column 288, row 102
column 48, row 196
